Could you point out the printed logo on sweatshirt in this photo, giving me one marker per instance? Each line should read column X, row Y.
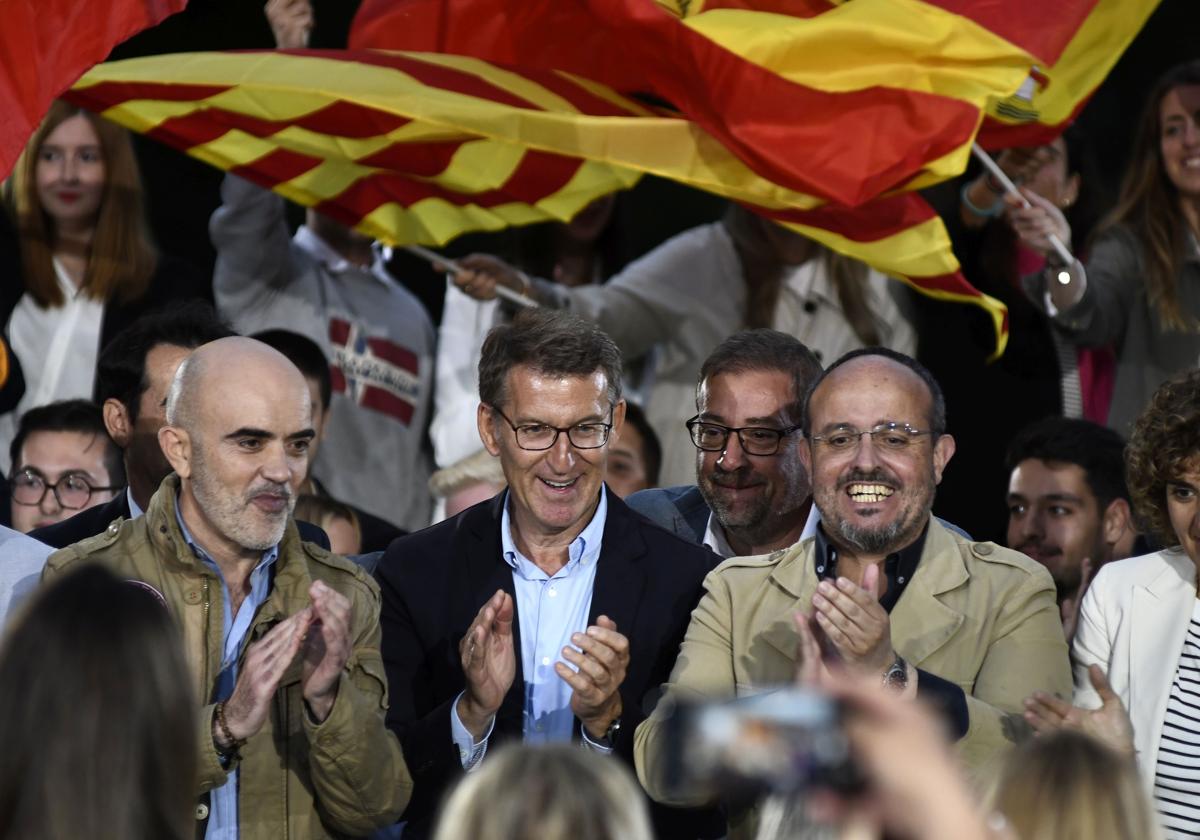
column 374, row 372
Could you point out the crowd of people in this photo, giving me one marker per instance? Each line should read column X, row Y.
column 294, row 554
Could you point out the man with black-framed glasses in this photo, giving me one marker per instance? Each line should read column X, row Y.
column 551, row 612
column 752, row 492
column 63, row 462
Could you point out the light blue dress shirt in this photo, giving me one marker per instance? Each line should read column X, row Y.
column 223, row 801
column 549, row 610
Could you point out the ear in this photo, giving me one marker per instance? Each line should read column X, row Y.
column 943, row 451
column 804, row 447
column 618, row 418
column 117, row 421
column 1117, row 521
column 487, row 429
column 177, row 447
column 1070, row 191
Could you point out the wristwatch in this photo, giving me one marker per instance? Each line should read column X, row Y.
column 896, row 676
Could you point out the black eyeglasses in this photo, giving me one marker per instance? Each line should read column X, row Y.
column 73, row 491
column 756, row 440
column 539, row 436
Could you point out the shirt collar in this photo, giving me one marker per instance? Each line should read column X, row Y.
column 320, row 250
column 585, row 548
column 714, row 538
column 135, row 509
column 715, row 541
column 898, row 567
column 268, row 556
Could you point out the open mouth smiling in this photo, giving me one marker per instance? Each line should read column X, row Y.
column 868, row 493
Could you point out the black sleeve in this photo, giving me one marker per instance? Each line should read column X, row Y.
column 947, row 699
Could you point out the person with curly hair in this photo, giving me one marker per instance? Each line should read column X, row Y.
column 1140, row 619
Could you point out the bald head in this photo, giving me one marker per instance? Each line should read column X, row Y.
column 223, row 369
column 239, row 427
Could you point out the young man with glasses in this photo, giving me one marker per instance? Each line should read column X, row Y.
column 752, row 492
column 550, row 612
column 63, row 462
column 883, row 587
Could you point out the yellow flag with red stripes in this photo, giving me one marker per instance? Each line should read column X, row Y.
column 419, row 148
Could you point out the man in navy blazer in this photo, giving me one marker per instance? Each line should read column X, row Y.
column 552, row 612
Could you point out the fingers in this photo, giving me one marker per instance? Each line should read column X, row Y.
column 1045, row 713
column 870, row 581
column 1099, row 681
column 848, row 606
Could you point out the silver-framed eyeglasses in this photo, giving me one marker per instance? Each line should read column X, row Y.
column 755, row 440
column 536, row 437
column 892, row 437
column 73, row 491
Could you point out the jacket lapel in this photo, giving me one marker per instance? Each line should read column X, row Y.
column 794, row 577
column 1161, row 610
column 617, row 590
column 920, row 619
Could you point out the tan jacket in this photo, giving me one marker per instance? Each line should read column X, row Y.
column 297, row 779
column 976, row 614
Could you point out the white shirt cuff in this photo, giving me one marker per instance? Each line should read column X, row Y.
column 592, row 745
column 470, row 753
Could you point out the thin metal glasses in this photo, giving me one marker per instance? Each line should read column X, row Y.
column 756, row 440
column 893, row 437
column 536, row 437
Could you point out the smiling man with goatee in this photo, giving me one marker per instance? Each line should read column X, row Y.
column 881, row 587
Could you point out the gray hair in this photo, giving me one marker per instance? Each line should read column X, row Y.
column 551, row 342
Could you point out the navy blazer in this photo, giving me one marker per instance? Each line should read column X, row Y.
column 681, row 510
column 93, row 521
column 433, row 584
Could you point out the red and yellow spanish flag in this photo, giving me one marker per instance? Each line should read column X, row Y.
column 45, row 45
column 419, row 148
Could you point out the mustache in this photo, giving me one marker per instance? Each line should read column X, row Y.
column 743, row 476
column 875, row 476
column 1042, row 548
column 269, row 488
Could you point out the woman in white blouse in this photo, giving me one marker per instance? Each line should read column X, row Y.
column 1140, row 619
column 82, row 257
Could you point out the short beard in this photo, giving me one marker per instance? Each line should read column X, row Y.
column 228, row 514
column 870, row 540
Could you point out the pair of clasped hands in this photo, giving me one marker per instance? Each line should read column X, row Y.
column 321, row 634
column 847, row 624
column 489, row 663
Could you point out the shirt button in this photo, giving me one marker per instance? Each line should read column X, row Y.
column 553, row 591
column 901, row 579
column 192, row 596
column 201, row 811
column 820, row 570
column 545, row 661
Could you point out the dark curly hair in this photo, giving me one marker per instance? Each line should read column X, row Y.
column 1164, row 445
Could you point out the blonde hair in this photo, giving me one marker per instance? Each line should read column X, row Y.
column 122, row 258
column 481, row 467
column 1070, row 786
column 552, row 792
